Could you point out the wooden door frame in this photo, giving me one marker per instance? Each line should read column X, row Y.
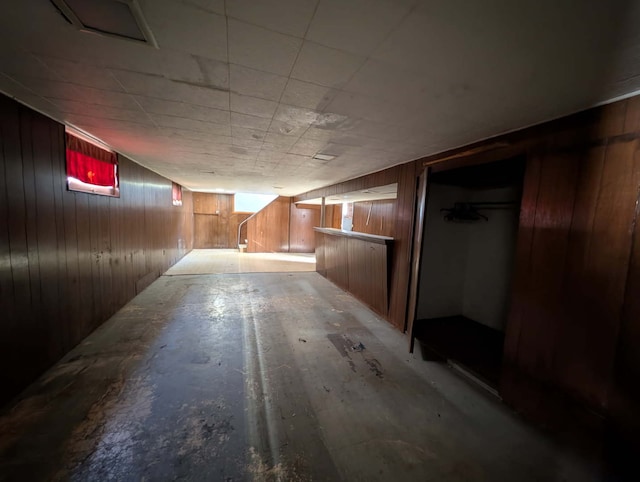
column 416, row 251
column 419, row 223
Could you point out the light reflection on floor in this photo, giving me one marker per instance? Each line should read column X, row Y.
column 228, row 261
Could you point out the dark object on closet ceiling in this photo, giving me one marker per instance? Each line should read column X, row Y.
column 468, row 212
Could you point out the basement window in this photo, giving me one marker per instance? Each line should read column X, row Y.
column 91, row 168
column 244, row 202
column 176, row 194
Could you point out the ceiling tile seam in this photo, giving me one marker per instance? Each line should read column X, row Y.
column 88, row 115
column 368, row 57
column 35, row 94
column 171, row 100
column 46, row 66
column 248, row 22
column 288, row 77
column 72, row 84
column 293, row 64
column 313, row 16
column 124, row 92
column 90, row 104
column 215, row 123
column 66, row 59
column 139, row 72
column 196, row 6
column 113, row 71
column 226, row 22
column 315, row 11
column 133, row 97
column 248, row 115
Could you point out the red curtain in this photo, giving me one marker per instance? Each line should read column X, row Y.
column 177, row 193
column 89, row 163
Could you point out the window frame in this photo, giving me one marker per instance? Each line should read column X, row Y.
column 87, row 148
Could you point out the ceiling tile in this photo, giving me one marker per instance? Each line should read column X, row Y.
column 245, row 133
column 306, row 94
column 133, row 113
column 378, row 130
column 290, row 17
column 88, row 123
column 163, row 63
column 154, row 86
column 45, row 88
column 69, row 91
column 104, row 97
column 307, row 147
column 296, row 116
column 212, row 73
column 349, row 139
column 193, row 135
column 26, row 96
column 187, row 29
column 277, row 141
column 23, row 64
column 356, row 106
column 317, row 134
column 294, row 160
column 356, row 26
column 281, row 147
column 267, row 156
column 286, row 129
column 245, row 104
column 373, row 86
column 80, row 73
column 246, row 81
column 325, row 66
column 261, row 49
column 387, row 81
column 210, row 6
column 243, row 142
column 180, row 109
column 250, row 121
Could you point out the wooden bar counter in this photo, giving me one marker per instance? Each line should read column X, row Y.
column 356, row 262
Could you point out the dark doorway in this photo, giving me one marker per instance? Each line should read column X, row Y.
column 470, row 228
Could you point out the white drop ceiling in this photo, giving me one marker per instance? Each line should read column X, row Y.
column 241, row 94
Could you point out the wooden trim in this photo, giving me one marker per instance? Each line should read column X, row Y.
column 372, row 238
column 421, row 200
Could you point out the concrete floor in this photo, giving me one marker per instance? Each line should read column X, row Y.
column 264, row 376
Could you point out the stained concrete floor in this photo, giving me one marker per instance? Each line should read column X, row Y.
column 264, row 376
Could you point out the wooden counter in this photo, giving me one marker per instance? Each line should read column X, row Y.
column 357, row 263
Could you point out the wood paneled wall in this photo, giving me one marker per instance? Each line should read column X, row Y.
column 571, row 287
column 402, row 231
column 357, row 264
column 216, row 225
column 333, row 216
column 283, row 227
column 302, row 220
column 268, row 230
column 375, row 217
column 69, row 260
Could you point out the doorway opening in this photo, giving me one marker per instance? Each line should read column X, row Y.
column 468, row 249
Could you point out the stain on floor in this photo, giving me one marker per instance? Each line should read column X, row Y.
column 266, row 377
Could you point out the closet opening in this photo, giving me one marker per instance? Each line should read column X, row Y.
column 466, row 266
